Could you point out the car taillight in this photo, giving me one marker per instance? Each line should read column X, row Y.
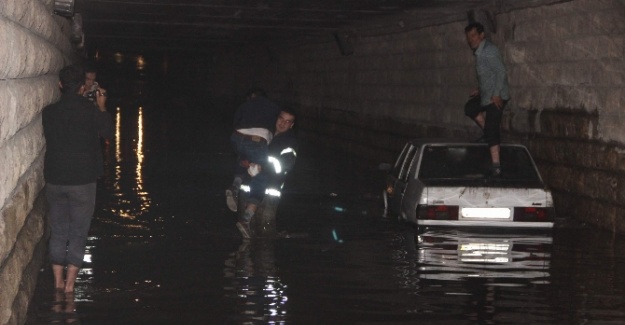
column 532, row 214
column 437, row 212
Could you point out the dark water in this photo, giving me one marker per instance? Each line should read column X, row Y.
column 164, row 250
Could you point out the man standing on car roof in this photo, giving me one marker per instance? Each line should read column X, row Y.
column 488, row 101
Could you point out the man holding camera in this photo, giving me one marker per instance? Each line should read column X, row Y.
column 91, row 85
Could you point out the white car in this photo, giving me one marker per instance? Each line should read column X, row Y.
column 448, row 183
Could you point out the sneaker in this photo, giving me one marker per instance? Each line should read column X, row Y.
column 232, row 199
column 244, row 228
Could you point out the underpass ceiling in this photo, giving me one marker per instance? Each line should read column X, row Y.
column 191, row 25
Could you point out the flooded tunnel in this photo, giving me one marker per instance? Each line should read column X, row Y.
column 363, row 77
column 164, row 249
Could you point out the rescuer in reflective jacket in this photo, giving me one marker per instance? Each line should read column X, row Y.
column 281, row 155
column 282, row 152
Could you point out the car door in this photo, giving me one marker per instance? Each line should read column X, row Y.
column 393, row 176
column 399, row 178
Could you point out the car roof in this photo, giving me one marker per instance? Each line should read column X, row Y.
column 418, row 142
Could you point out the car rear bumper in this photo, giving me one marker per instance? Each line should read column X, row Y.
column 485, row 223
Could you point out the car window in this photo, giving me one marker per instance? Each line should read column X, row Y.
column 473, row 162
column 400, row 161
column 404, row 166
column 408, row 165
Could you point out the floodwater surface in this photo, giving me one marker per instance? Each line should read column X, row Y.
column 163, row 248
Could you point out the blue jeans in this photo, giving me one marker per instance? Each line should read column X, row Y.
column 253, row 152
column 70, row 212
column 257, row 184
column 246, row 149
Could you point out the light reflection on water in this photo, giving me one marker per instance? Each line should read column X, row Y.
column 252, row 284
column 474, row 275
column 456, row 255
column 435, row 277
column 128, row 202
column 85, row 275
column 130, row 198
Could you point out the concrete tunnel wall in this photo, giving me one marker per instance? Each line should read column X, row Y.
column 566, row 68
column 34, row 46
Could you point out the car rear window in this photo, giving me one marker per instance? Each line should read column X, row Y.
column 463, row 163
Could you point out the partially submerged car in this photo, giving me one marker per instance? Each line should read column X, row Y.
column 449, row 183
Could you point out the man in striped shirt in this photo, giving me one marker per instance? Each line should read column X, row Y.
column 488, row 101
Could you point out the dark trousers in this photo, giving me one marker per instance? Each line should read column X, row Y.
column 492, row 125
column 70, row 212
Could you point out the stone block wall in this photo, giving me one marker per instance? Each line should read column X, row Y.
column 35, row 46
column 566, row 68
column 566, row 64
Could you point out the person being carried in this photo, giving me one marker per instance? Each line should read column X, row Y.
column 490, row 98
column 72, row 164
column 253, row 125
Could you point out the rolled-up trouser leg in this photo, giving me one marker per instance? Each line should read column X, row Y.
column 71, row 212
column 58, row 218
column 82, row 205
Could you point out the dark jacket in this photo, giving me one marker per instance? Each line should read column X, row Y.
column 72, row 128
column 258, row 112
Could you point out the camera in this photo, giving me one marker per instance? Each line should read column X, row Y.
column 92, row 95
column 95, row 91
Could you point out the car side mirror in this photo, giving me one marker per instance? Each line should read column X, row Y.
column 384, row 167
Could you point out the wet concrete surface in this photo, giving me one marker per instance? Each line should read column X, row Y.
column 164, row 249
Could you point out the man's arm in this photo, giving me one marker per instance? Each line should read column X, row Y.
column 104, row 121
column 288, row 155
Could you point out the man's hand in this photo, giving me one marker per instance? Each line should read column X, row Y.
column 101, row 99
column 254, row 169
column 497, row 101
column 474, row 92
